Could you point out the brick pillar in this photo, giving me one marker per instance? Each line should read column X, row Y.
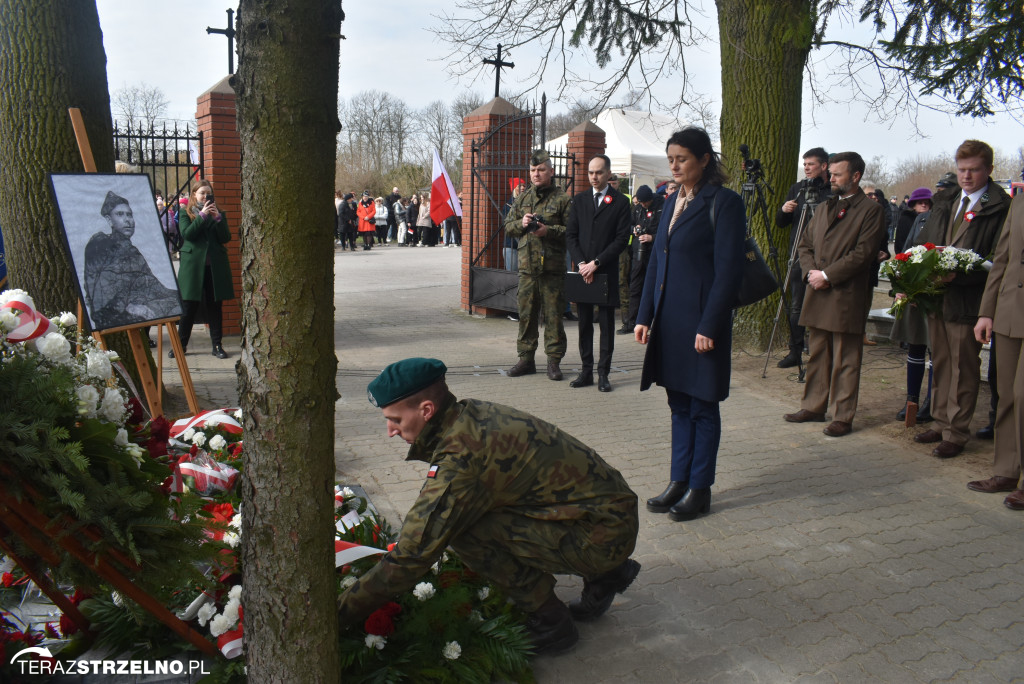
column 511, row 148
column 222, row 166
column 585, row 141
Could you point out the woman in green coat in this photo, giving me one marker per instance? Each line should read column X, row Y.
column 204, row 275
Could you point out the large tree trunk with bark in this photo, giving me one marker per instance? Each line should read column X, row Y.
column 51, row 58
column 287, row 87
column 764, row 44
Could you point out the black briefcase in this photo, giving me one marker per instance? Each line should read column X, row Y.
column 580, row 292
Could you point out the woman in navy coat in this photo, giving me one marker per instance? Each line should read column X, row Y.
column 685, row 316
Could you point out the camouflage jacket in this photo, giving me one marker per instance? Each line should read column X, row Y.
column 546, row 254
column 484, row 457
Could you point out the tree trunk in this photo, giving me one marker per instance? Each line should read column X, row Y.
column 287, row 87
column 764, row 44
column 51, row 58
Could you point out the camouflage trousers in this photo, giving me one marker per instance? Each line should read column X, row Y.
column 541, row 293
column 625, row 267
column 521, row 555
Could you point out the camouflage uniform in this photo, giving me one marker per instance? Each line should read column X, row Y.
column 541, row 269
column 625, row 266
column 515, row 497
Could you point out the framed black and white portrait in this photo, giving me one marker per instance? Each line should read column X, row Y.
column 117, row 247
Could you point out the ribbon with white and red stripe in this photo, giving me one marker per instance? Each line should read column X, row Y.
column 221, row 418
column 347, row 552
column 31, row 323
column 230, row 643
column 219, row 475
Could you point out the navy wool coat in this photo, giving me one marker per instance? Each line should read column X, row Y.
column 692, row 283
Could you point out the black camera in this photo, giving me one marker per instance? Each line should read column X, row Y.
column 534, row 223
column 752, row 167
column 812, row 189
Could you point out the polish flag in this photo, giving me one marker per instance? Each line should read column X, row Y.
column 443, row 200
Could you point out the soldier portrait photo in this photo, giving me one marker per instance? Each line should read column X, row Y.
column 116, row 244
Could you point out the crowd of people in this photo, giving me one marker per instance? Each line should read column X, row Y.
column 403, row 220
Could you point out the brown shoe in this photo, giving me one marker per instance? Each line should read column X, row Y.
column 1015, row 501
column 928, row 437
column 994, row 484
column 804, row 416
column 837, row 428
column 947, row 449
column 554, row 372
column 522, row 367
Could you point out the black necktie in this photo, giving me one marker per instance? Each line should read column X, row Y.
column 597, row 201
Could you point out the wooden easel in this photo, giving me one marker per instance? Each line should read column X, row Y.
column 152, row 385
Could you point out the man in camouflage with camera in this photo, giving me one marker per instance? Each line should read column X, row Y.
column 538, row 219
column 515, row 497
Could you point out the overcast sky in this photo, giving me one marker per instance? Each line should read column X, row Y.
column 390, row 47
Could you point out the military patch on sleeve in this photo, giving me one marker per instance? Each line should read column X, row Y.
column 432, row 472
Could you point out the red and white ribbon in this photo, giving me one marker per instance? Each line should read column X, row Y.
column 230, row 643
column 218, row 475
column 347, row 552
column 31, row 323
column 221, row 418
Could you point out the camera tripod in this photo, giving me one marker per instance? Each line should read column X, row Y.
column 811, row 201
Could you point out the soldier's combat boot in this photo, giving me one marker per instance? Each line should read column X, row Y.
column 598, row 593
column 554, row 372
column 551, row 628
column 523, row 367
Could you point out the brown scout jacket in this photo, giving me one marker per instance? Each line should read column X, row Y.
column 845, row 248
column 1004, row 292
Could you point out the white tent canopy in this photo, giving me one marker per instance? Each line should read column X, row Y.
column 635, row 143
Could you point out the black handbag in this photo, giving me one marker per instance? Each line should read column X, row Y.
column 597, row 292
column 758, row 281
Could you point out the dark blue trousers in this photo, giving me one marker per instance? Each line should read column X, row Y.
column 696, row 433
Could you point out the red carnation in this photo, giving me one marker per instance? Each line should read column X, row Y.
column 929, row 245
column 67, row 626
column 902, row 257
column 136, row 414
column 380, row 623
column 7, row 579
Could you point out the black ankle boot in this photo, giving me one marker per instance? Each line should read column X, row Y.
column 901, row 415
column 924, row 413
column 550, row 628
column 668, row 498
column 694, row 503
column 219, row 352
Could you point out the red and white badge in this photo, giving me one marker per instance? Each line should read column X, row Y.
column 432, row 472
column 607, row 199
column 842, row 213
column 969, row 216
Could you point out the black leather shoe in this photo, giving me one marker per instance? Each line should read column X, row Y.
column 602, row 384
column 551, row 628
column 624, row 330
column 584, row 379
column 152, row 344
column 668, row 498
column 598, row 594
column 219, row 352
column 570, row 316
column 790, row 360
column 694, row 503
column 170, row 352
column 987, row 432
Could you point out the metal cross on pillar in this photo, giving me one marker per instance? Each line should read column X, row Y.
column 497, row 68
column 230, row 33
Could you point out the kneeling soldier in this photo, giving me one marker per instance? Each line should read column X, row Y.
column 515, row 497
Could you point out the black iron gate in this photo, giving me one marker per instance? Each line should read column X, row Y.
column 498, row 157
column 171, row 157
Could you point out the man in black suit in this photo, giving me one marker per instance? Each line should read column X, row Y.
column 597, row 231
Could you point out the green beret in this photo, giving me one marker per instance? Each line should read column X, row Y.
column 539, row 157
column 403, row 379
column 111, row 201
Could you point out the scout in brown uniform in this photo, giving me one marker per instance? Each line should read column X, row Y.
column 970, row 217
column 515, row 497
column 836, row 253
column 1002, row 313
